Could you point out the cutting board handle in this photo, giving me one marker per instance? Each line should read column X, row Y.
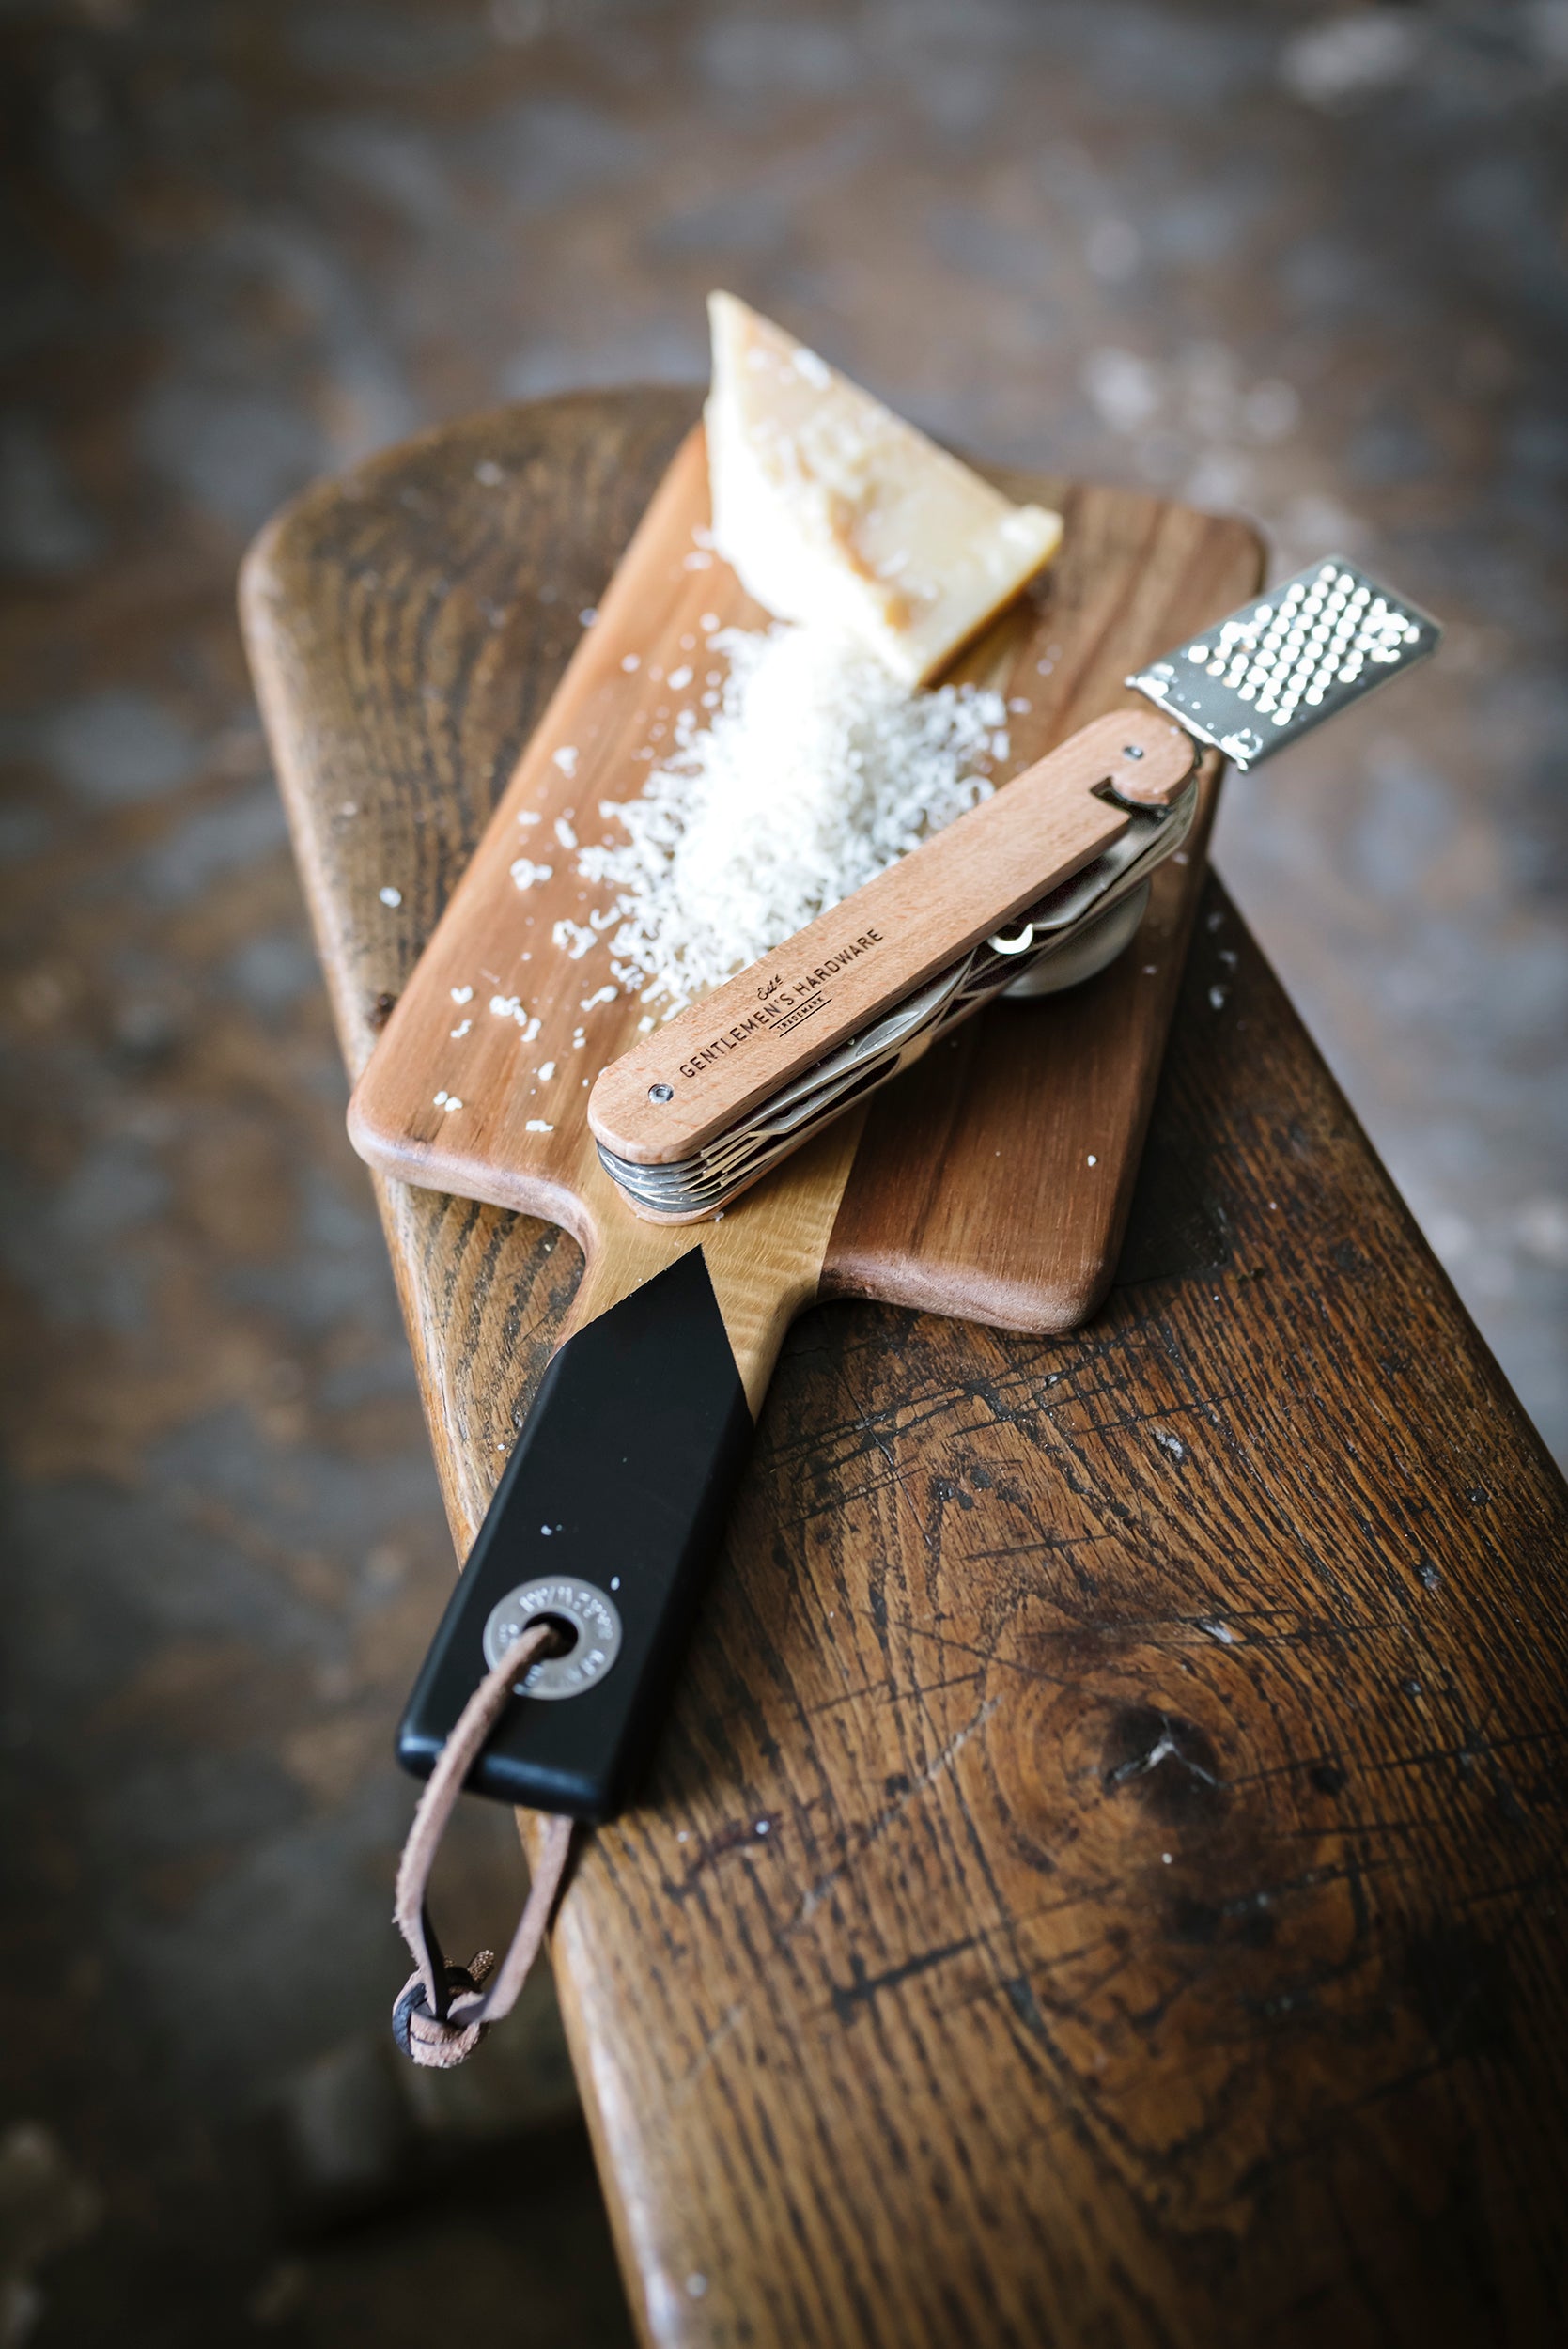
column 608, row 1514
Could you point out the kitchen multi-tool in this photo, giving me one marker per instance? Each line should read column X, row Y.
column 1036, row 889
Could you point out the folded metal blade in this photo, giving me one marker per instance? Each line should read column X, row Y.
column 1252, row 684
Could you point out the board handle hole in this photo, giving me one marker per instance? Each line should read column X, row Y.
column 562, row 1635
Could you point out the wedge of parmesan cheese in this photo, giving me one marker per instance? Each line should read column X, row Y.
column 832, row 509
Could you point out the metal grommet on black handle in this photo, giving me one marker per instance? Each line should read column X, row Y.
column 588, row 1619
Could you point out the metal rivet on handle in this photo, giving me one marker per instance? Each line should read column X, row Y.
column 662, row 1093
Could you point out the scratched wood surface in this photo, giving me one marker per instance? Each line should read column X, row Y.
column 1101, row 1882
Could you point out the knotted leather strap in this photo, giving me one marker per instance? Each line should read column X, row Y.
column 443, row 2010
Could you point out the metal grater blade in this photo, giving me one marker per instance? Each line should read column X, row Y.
column 1303, row 652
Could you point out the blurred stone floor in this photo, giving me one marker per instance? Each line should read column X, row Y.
column 1305, row 263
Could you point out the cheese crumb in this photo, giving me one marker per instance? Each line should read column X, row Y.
column 574, row 938
column 537, row 1126
column 526, row 873
column 817, row 770
column 390, row 896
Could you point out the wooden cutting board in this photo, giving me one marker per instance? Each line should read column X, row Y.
column 994, row 1186
column 992, row 1182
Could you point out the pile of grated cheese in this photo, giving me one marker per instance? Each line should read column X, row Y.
column 815, row 770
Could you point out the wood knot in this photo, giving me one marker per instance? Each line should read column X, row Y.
column 1169, row 1764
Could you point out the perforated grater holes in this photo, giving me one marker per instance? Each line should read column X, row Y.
column 1274, row 668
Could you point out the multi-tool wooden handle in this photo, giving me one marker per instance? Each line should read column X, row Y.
column 694, row 1076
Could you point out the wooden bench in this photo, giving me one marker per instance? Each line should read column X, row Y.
column 1100, row 1882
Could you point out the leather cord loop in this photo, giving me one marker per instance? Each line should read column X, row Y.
column 443, row 2011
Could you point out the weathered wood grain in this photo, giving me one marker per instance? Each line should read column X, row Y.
column 1102, row 1884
